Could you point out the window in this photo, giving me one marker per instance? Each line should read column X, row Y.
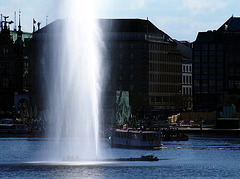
column 184, row 92
column 196, row 82
column 212, row 47
column 205, row 47
column 120, row 56
column 131, row 46
column 131, row 87
column 120, row 66
column 131, row 56
column 120, row 76
column 131, row 66
column 131, row 77
column 5, row 83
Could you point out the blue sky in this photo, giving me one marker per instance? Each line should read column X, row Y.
column 181, row 19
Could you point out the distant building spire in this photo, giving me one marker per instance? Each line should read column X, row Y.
column 6, row 23
column 34, row 22
column 38, row 24
column 19, row 26
column 15, row 21
column 19, row 32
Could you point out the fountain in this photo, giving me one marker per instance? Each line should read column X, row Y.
column 73, row 85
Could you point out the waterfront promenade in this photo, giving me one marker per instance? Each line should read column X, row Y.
column 208, row 130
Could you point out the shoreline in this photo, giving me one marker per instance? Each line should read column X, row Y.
column 188, row 130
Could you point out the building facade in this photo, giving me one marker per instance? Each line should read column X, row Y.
column 187, row 99
column 137, row 56
column 216, row 67
column 144, row 61
column 14, row 67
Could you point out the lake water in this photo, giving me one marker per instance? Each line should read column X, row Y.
column 202, row 156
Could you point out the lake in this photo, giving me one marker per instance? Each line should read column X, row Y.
column 202, row 156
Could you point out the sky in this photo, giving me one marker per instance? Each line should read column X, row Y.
column 180, row 19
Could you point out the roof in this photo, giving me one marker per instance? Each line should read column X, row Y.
column 113, row 25
column 128, row 25
column 232, row 24
column 52, row 27
column 185, row 49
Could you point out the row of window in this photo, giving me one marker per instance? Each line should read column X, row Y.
column 125, row 56
column 121, row 66
column 163, row 99
column 145, row 137
column 4, row 83
column 206, row 47
column 187, row 91
column 208, row 82
column 131, row 56
column 234, row 84
column 210, row 77
column 187, row 79
column 160, row 88
column 204, row 57
column 187, row 68
column 125, row 135
column 7, row 65
column 4, row 51
column 121, row 45
column 161, row 57
column 205, row 89
column 124, row 36
column 206, row 71
column 162, row 47
column 165, row 67
column 164, row 78
column 121, row 77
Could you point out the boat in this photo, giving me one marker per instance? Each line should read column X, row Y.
column 133, row 159
column 133, row 138
column 13, row 128
column 7, row 126
column 129, row 159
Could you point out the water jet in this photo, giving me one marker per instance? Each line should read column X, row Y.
column 73, row 84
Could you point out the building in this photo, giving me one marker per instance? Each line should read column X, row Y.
column 144, row 61
column 138, row 58
column 216, row 67
column 14, row 71
column 186, row 49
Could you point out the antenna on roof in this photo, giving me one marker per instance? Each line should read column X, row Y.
column 46, row 20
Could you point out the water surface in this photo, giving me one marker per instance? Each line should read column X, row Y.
column 200, row 157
